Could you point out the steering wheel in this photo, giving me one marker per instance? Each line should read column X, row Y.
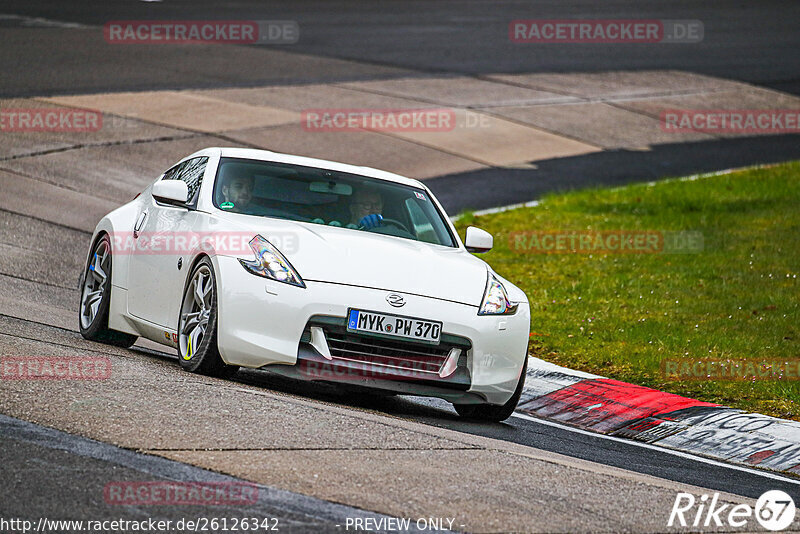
column 393, row 222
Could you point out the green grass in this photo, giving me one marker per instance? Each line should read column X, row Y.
column 620, row 315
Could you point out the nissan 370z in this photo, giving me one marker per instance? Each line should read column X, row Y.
column 312, row 269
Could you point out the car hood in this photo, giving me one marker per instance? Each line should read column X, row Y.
column 343, row 256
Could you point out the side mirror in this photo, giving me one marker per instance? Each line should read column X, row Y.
column 478, row 240
column 171, row 192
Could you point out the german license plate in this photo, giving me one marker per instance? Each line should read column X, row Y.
column 386, row 324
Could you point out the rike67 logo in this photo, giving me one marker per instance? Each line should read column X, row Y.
column 774, row 511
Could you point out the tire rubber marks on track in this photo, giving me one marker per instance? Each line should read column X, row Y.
column 541, row 382
column 740, row 437
column 606, row 405
column 664, row 419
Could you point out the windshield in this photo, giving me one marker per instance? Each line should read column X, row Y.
column 332, row 198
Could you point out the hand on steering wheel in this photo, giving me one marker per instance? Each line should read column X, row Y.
column 371, row 221
column 376, row 220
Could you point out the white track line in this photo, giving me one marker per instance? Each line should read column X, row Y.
column 38, row 22
column 657, row 448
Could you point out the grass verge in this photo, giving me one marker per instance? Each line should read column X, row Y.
column 625, row 315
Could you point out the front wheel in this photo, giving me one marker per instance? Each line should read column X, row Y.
column 96, row 298
column 493, row 412
column 197, row 325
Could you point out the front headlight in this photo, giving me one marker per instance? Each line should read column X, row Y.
column 270, row 263
column 495, row 299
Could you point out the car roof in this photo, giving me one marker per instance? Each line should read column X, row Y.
column 266, row 155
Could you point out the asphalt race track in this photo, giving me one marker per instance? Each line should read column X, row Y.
column 748, row 42
column 319, row 455
column 342, row 439
column 754, row 43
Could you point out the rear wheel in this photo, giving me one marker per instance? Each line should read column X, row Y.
column 197, row 325
column 96, row 298
column 494, row 412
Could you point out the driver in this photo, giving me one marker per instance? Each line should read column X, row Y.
column 237, row 193
column 366, row 206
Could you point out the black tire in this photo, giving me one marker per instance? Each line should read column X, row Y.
column 95, row 328
column 204, row 358
column 494, row 412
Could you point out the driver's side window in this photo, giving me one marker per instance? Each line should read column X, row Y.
column 190, row 171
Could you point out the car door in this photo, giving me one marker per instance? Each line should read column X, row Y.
column 158, row 267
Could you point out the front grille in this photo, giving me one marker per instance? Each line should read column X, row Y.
column 399, row 354
column 368, row 349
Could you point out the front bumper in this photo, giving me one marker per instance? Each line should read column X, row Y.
column 262, row 323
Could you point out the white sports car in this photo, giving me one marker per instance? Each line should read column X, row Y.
column 318, row 270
